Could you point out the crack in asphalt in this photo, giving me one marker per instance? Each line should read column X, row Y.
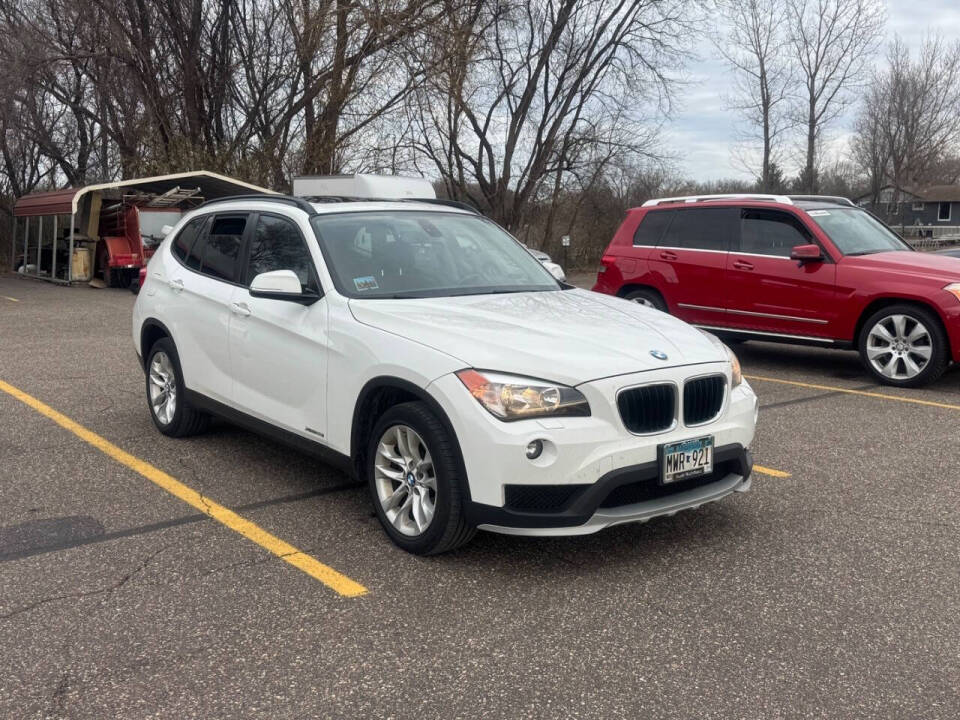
column 88, row 593
column 60, row 695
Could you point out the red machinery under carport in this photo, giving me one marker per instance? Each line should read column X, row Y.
column 110, row 229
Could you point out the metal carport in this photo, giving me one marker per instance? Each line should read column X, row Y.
column 81, row 207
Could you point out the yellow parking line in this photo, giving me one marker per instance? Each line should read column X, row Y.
column 312, row 567
column 770, row 471
column 882, row 396
column 7, row 297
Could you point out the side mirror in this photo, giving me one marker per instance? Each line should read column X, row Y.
column 282, row 285
column 806, row 253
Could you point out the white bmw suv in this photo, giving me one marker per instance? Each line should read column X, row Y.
column 425, row 351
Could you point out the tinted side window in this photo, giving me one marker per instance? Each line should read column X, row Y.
column 184, row 240
column 771, row 232
column 651, row 227
column 222, row 248
column 701, row 229
column 195, row 255
column 278, row 245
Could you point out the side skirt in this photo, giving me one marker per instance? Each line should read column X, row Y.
column 778, row 337
column 248, row 422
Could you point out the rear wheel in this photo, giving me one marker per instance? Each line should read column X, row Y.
column 413, row 478
column 904, row 345
column 647, row 297
column 166, row 394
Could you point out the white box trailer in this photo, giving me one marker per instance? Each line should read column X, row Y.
column 371, row 187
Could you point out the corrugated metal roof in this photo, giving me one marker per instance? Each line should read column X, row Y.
column 64, row 202
column 57, row 202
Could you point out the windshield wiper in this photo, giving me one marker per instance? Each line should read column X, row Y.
column 865, row 252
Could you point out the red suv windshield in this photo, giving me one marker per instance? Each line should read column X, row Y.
column 856, row 232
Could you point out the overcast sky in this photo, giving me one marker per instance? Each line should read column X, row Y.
column 702, row 133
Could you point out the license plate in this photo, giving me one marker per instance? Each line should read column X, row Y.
column 686, row 459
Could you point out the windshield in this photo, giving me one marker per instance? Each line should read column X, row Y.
column 856, row 232
column 411, row 253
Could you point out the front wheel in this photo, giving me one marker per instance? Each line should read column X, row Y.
column 414, row 481
column 904, row 345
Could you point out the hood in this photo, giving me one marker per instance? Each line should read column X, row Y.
column 903, row 262
column 566, row 336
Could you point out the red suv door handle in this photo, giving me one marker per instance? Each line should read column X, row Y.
column 742, row 265
column 667, row 255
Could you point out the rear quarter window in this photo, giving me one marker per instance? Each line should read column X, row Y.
column 184, row 240
column 651, row 227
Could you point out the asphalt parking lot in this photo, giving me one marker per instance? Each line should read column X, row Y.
column 832, row 589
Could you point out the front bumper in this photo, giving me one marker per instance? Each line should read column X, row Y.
column 632, row 494
column 587, row 458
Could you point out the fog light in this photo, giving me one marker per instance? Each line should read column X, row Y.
column 534, row 449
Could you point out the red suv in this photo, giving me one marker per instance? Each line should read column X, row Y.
column 798, row 269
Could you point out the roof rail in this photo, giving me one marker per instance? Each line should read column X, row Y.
column 288, row 199
column 825, row 198
column 444, row 201
column 719, row 198
column 430, row 201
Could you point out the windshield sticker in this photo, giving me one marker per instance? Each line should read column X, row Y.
column 366, row 283
column 817, row 213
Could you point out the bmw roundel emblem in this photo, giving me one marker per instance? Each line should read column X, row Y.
column 659, row 354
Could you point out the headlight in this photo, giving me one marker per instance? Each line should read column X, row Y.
column 514, row 398
column 954, row 289
column 736, row 374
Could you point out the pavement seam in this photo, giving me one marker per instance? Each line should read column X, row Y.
column 165, row 524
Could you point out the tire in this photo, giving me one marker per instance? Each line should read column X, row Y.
column 904, row 346
column 648, row 297
column 163, row 366
column 400, row 496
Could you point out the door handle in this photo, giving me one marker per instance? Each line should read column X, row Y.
column 175, row 285
column 667, row 255
column 742, row 265
column 240, row 309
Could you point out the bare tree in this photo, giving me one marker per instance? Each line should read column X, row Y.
column 528, row 92
column 832, row 41
column 755, row 48
column 869, row 148
column 923, row 108
column 909, row 123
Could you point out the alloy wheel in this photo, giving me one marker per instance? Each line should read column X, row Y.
column 405, row 480
column 899, row 347
column 163, row 388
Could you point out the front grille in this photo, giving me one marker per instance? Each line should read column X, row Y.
column 649, row 488
column 540, row 498
column 703, row 399
column 648, row 409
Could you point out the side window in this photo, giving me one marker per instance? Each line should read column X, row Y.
column 184, row 240
column 651, row 227
column 701, row 229
column 195, row 255
column 278, row 245
column 771, row 232
column 221, row 252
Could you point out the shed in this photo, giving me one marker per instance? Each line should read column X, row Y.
column 49, row 228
